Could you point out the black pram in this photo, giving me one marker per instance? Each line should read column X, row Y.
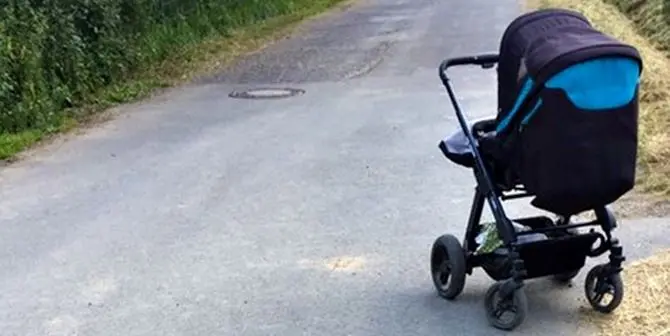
column 566, row 135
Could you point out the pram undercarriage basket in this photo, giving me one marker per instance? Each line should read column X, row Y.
column 566, row 135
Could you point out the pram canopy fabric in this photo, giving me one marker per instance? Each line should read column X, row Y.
column 559, row 48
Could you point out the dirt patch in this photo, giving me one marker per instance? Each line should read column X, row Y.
column 638, row 205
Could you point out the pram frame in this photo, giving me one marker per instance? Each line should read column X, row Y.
column 510, row 288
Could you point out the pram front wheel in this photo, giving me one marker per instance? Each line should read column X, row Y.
column 599, row 284
column 505, row 313
column 447, row 263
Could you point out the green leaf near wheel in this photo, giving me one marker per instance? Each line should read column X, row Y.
column 488, row 239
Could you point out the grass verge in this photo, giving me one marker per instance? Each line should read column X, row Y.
column 181, row 66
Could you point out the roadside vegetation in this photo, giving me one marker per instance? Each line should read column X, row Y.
column 61, row 61
column 646, row 25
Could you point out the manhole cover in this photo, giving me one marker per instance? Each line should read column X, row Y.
column 266, row 93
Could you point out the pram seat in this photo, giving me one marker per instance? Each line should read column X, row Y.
column 565, row 133
column 491, row 151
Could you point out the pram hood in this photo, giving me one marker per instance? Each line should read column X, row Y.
column 540, row 44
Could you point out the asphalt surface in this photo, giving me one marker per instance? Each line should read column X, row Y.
column 198, row 214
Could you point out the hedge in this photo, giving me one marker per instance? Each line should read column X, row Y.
column 55, row 53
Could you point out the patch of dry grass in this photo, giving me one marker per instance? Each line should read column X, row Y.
column 654, row 159
column 645, row 308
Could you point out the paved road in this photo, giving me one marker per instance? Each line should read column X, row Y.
column 198, row 214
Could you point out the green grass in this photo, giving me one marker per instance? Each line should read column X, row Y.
column 166, row 55
column 11, row 144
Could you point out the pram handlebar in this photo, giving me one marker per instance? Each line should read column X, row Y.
column 484, row 60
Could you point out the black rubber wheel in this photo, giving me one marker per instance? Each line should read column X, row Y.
column 598, row 285
column 515, row 307
column 447, row 263
column 565, row 277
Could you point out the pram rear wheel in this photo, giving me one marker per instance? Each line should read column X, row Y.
column 599, row 284
column 505, row 313
column 447, row 263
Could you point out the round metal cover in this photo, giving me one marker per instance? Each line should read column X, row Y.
column 266, row 93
